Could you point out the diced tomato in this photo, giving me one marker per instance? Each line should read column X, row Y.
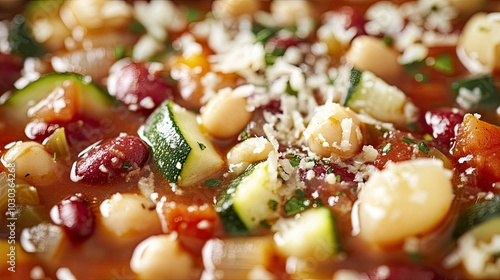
column 60, row 105
column 194, row 224
column 478, row 146
column 10, row 71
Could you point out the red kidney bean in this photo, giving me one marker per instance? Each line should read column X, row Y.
column 10, row 71
column 110, row 159
column 139, row 85
column 441, row 123
column 75, row 216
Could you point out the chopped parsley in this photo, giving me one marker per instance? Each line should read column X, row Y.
column 408, row 140
column 290, row 91
column 271, row 57
column 126, row 165
column 444, row 64
column 211, row 183
column 119, row 52
column 293, row 158
column 386, row 148
column 193, row 14
column 202, row 146
column 300, row 193
column 263, row 34
column 55, row 157
column 273, row 204
column 423, row 147
column 296, row 205
column 337, row 178
column 340, row 193
column 387, row 40
column 243, row 135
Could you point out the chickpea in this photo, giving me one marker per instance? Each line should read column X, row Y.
column 94, row 14
column 128, row 215
column 467, row 7
column 372, row 54
column 225, row 114
column 247, row 152
column 288, row 13
column 149, row 259
column 33, row 163
column 234, row 8
column 404, row 200
column 334, row 130
column 484, row 28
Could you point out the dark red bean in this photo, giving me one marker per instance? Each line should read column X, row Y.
column 110, row 159
column 139, row 85
column 10, row 71
column 441, row 124
column 75, row 216
column 403, row 272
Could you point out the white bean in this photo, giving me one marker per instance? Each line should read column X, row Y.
column 467, row 7
column 225, row 115
column 129, row 215
column 234, row 8
column 334, row 130
column 161, row 257
column 403, row 200
column 484, row 56
column 290, row 12
column 33, row 163
column 247, row 152
column 372, row 54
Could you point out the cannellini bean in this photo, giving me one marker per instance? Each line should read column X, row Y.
column 94, row 14
column 225, row 115
column 33, row 163
column 288, row 13
column 161, row 257
column 247, row 152
column 483, row 56
column 234, row 8
column 372, row 54
column 404, row 200
column 467, row 7
column 128, row 215
column 334, row 130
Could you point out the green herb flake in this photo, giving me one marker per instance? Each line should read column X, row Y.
column 337, row 178
column 243, row 135
column 265, row 224
column 428, row 137
column 263, row 34
column 193, row 14
column 387, row 40
column 329, row 169
column 293, row 158
column 444, row 64
column 296, row 205
column 411, row 127
column 290, row 91
column 340, row 193
column 119, row 52
column 55, row 157
column 300, row 193
column 319, row 203
column 386, row 148
column 126, row 165
column 212, row 183
column 423, row 147
column 408, row 141
column 414, row 257
column 273, row 204
column 202, row 146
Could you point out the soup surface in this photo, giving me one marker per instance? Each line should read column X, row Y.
column 247, row 139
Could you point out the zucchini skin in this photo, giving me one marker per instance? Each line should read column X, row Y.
column 165, row 144
column 224, row 206
column 475, row 215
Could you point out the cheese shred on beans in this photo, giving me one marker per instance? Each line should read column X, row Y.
column 249, row 139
